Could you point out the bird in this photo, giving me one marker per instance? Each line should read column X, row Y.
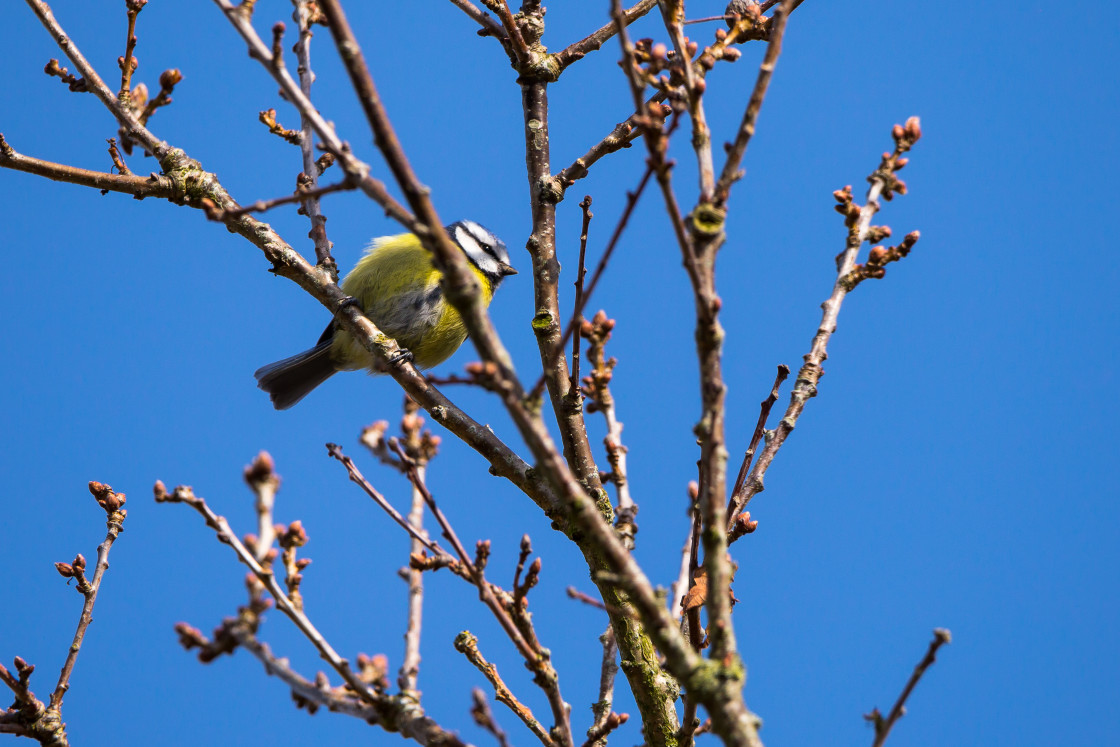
column 399, row 289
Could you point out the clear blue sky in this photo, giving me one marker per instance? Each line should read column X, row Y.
column 958, row 469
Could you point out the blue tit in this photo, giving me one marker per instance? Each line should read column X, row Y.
column 398, row 288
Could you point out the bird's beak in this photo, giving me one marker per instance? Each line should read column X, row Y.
column 505, row 269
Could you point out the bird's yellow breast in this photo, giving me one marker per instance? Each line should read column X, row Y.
column 399, row 289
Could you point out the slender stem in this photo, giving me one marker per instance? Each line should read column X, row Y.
column 301, row 14
column 281, row 667
column 492, row 27
column 608, row 670
column 127, row 68
column 114, row 525
column 805, row 387
column 731, row 173
column 582, row 299
column 883, row 727
column 593, row 41
column 302, row 196
column 359, row 479
column 140, row 187
column 467, row 644
column 759, row 429
column 410, row 667
column 672, row 12
column 227, row 536
column 580, row 273
column 513, row 32
column 535, row 658
column 620, row 137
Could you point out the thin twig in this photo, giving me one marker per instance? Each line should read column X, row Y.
column 684, row 574
column 597, row 734
column 759, row 429
column 264, row 482
column 883, row 726
column 488, row 24
column 608, row 669
column 301, row 196
column 501, row 9
column 467, row 644
column 593, row 41
column 140, row 187
column 587, row 599
column 573, row 323
column 484, row 717
column 359, row 479
column 858, row 220
column 128, row 62
column 624, row 133
column 410, row 666
column 672, row 12
column 184, row 494
column 336, row 700
column 302, row 16
column 112, row 503
column 731, row 172
column 581, row 271
column 536, row 658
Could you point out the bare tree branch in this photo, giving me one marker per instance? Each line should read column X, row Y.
column 467, row 644
column 858, row 219
column 28, row 716
column 594, row 41
column 883, row 726
column 731, row 173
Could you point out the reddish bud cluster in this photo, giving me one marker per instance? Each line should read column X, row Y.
column 105, row 496
column 875, row 234
column 420, row 444
column 909, row 133
column 78, row 85
column 596, row 385
column 485, row 375
column 23, row 669
column 261, row 471
column 421, row 561
column 268, row 119
column 374, row 670
column 878, row 258
column 481, row 554
column 133, row 63
column 904, row 138
column 293, row 535
column 743, row 525
column 847, row 207
column 373, row 436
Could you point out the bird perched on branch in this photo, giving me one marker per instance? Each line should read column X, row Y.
column 399, row 289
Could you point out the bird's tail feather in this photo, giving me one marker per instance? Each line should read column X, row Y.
column 290, row 380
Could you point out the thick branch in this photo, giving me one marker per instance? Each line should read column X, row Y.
column 139, row 187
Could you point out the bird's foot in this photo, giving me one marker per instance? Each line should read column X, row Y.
column 350, row 301
column 400, row 357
